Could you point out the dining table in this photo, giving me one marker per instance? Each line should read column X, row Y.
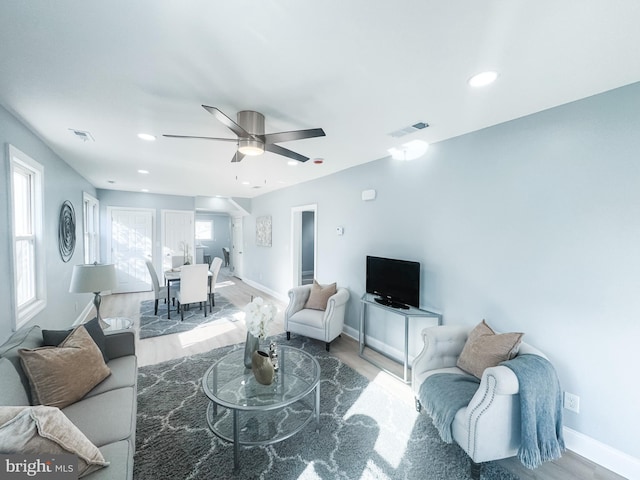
column 173, row 275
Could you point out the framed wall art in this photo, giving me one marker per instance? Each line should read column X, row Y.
column 263, row 231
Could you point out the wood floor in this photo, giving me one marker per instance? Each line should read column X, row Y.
column 158, row 349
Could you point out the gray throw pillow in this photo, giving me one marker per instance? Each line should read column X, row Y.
column 53, row 338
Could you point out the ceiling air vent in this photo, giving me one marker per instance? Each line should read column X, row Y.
column 82, row 135
column 410, row 129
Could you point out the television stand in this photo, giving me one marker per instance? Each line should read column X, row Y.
column 390, row 303
column 408, row 313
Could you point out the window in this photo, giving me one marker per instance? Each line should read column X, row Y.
column 204, row 230
column 91, row 222
column 26, row 197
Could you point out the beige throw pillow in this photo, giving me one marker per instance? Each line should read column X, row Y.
column 62, row 375
column 319, row 296
column 39, row 430
column 484, row 348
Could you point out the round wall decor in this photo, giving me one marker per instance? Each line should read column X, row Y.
column 67, row 231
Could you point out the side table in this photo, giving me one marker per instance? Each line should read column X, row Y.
column 117, row 323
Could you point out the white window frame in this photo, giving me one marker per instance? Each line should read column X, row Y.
column 19, row 161
column 91, row 228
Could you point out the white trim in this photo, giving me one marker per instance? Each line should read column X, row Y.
column 296, row 239
column 262, row 288
column 602, row 454
column 18, row 158
column 94, row 203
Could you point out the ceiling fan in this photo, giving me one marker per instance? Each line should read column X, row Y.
column 251, row 137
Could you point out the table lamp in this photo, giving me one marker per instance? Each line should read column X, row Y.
column 94, row 278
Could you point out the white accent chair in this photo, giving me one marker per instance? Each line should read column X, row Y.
column 194, row 287
column 159, row 291
column 322, row 325
column 214, row 268
column 488, row 428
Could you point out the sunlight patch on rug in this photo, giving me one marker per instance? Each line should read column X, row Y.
column 392, row 450
column 204, row 333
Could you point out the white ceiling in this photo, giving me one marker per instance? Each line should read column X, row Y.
column 360, row 69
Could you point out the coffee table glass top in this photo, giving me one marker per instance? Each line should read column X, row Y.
column 229, row 384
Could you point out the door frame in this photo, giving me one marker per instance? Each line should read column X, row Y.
column 192, row 215
column 237, row 242
column 109, row 223
column 296, row 241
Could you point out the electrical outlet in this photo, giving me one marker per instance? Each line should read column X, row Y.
column 572, row 402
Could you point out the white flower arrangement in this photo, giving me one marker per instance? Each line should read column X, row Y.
column 259, row 316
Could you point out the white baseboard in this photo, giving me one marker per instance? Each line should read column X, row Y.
column 602, row 454
column 273, row 293
column 587, row 447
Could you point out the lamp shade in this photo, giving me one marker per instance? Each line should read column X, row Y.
column 93, row 278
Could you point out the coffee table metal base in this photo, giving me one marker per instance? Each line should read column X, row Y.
column 230, row 429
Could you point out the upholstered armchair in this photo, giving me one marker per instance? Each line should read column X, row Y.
column 322, row 324
column 489, row 427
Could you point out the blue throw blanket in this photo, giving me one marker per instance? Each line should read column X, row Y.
column 540, row 410
column 442, row 395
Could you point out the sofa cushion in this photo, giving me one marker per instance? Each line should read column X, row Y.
column 26, row 337
column 123, row 374
column 106, row 418
column 319, row 296
column 12, row 391
column 53, row 338
column 484, row 348
column 37, row 430
column 120, row 455
column 62, row 375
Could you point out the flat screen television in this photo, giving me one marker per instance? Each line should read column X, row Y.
column 395, row 282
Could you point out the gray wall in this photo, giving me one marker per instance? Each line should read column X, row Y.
column 533, row 225
column 221, row 234
column 61, row 183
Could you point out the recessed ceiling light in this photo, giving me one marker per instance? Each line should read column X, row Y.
column 146, row 136
column 410, row 150
column 145, row 190
column 246, row 183
column 111, row 181
column 318, row 161
column 293, row 163
column 483, row 79
column 144, row 172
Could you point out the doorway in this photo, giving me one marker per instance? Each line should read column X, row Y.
column 304, row 236
column 178, row 236
column 130, row 242
column 236, row 247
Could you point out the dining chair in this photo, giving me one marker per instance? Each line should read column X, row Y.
column 214, row 268
column 193, row 287
column 159, row 291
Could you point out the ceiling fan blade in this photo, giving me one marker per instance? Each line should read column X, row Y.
column 270, row 147
column 293, row 135
column 203, row 138
column 237, row 157
column 227, row 122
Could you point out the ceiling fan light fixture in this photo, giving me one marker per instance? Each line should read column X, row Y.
column 250, row 147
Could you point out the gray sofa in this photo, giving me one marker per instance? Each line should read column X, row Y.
column 106, row 415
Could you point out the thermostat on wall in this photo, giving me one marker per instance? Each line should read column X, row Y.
column 340, row 230
column 368, row 195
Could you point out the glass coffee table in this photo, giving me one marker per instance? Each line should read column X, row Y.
column 244, row 412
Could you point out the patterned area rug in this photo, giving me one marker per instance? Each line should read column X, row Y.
column 156, row 325
column 365, row 432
